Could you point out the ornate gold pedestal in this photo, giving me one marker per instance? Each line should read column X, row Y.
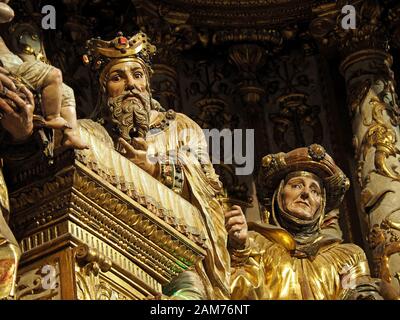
column 83, row 238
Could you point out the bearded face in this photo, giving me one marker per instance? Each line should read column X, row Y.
column 128, row 99
column 129, row 113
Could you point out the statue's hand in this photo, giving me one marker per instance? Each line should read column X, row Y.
column 387, row 291
column 236, row 226
column 16, row 113
column 5, row 80
column 138, row 155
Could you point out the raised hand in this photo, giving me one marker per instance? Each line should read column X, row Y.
column 236, row 226
column 137, row 153
column 16, row 110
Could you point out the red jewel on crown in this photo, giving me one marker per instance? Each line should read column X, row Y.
column 122, row 40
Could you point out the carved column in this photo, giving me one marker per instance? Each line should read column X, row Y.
column 249, row 58
column 375, row 116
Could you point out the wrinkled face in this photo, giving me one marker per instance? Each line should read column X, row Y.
column 124, row 77
column 301, row 197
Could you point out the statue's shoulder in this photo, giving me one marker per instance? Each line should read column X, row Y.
column 180, row 116
column 88, row 127
column 350, row 250
column 185, row 120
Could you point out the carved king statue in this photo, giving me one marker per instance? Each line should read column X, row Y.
column 168, row 145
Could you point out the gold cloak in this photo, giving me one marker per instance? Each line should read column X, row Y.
column 271, row 271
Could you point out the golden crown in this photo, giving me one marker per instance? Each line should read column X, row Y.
column 101, row 52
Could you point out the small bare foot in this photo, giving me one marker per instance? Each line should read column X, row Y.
column 73, row 141
column 57, row 123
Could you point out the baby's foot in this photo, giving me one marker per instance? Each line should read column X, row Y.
column 57, row 123
column 73, row 141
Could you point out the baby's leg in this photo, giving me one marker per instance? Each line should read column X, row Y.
column 52, row 99
column 68, row 112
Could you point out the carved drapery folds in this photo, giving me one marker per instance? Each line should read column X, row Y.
column 375, row 121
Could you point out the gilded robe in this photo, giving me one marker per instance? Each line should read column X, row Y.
column 268, row 270
column 201, row 187
column 176, row 139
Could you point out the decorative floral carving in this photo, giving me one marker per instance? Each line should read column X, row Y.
column 295, row 114
column 229, row 13
column 91, row 287
column 383, row 138
column 383, row 248
column 31, row 284
column 90, row 263
column 357, row 94
column 214, row 114
column 209, row 80
column 369, row 33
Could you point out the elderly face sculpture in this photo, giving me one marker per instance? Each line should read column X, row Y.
column 126, row 76
column 128, row 98
column 301, row 197
column 123, row 66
